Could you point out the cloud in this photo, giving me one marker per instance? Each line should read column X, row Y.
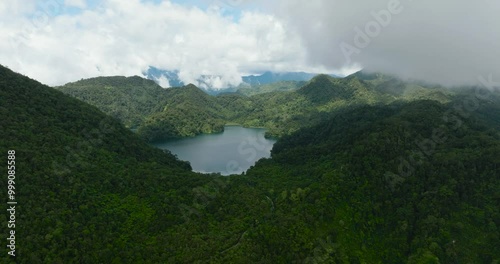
column 163, row 81
column 76, row 3
column 447, row 42
column 450, row 42
column 126, row 37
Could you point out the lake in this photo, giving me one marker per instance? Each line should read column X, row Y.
column 232, row 152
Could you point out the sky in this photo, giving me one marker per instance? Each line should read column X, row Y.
column 60, row 41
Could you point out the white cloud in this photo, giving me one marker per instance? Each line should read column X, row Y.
column 76, row 3
column 163, row 81
column 444, row 41
column 126, row 37
column 447, row 41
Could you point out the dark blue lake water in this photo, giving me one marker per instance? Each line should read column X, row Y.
column 231, row 152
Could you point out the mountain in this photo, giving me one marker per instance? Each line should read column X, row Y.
column 376, row 184
column 282, row 107
column 280, row 86
column 399, row 182
column 206, row 82
column 272, row 77
column 188, row 111
column 396, row 87
column 88, row 190
column 156, row 75
column 323, row 89
column 129, row 100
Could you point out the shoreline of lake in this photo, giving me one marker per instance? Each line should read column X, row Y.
column 232, row 151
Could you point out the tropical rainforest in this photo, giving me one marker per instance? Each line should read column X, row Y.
column 367, row 169
column 281, row 107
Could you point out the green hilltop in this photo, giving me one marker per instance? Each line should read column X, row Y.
column 88, row 190
column 160, row 114
column 129, row 100
column 281, row 86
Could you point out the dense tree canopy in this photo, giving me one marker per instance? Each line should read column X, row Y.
column 281, row 107
column 377, row 180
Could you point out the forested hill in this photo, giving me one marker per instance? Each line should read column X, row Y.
column 284, row 107
column 374, row 184
column 407, row 182
column 281, row 86
column 128, row 99
column 88, row 190
column 188, row 111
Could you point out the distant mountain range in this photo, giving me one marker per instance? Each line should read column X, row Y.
column 281, row 107
column 172, row 76
column 156, row 74
column 272, row 77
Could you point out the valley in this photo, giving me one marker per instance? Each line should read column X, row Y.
column 268, row 132
column 334, row 187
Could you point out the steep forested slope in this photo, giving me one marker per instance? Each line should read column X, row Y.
column 130, row 99
column 88, row 190
column 406, row 182
column 384, row 184
column 188, row 111
column 281, row 86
